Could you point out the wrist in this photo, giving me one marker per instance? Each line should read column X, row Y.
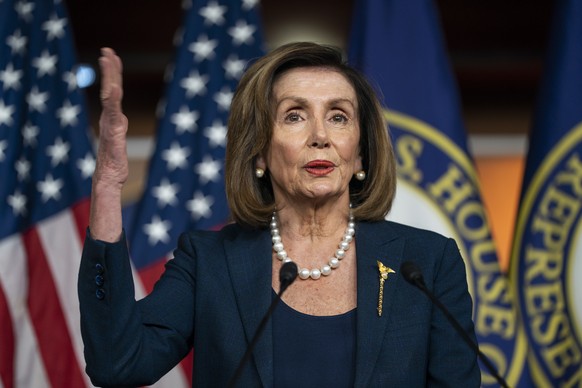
column 106, row 184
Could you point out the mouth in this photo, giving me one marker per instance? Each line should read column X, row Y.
column 319, row 167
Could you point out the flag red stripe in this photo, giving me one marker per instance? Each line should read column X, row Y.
column 48, row 319
column 187, row 365
column 81, row 215
column 7, row 347
column 149, row 275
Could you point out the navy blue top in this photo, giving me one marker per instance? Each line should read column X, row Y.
column 313, row 351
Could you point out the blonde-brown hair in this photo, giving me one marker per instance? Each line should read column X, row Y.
column 250, row 128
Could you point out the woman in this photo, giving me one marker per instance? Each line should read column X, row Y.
column 310, row 177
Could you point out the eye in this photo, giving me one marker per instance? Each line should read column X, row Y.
column 293, row 117
column 339, row 118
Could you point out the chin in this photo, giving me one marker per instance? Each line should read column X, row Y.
column 325, row 194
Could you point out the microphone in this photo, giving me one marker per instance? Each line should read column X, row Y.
column 413, row 275
column 287, row 275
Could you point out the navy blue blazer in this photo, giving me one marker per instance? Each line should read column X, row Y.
column 217, row 288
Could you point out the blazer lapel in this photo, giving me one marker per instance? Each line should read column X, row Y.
column 373, row 243
column 250, row 266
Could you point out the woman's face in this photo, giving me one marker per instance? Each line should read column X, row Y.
column 314, row 150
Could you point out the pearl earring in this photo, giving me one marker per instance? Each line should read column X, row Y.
column 361, row 175
column 259, row 172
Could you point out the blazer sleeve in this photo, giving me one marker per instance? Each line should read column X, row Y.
column 452, row 363
column 129, row 342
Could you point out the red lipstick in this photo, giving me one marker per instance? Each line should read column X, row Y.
column 319, row 167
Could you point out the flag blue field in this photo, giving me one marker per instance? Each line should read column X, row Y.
column 185, row 182
column 46, row 164
column 546, row 263
column 399, row 46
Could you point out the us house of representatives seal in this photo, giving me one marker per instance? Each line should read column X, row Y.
column 438, row 190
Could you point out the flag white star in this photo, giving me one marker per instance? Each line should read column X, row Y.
column 22, row 167
column 166, row 193
column 68, row 114
column 169, row 73
column 186, row 4
column 157, row 230
column 58, row 152
column 46, row 64
column 29, row 134
column 208, row 170
column 249, row 4
column 3, row 146
column 178, row 37
column 195, row 84
column 213, row 13
column 54, row 27
column 17, row 42
column 70, row 79
column 18, row 203
column 216, row 134
column 234, row 67
column 24, row 10
column 199, row 206
column 176, row 156
column 161, row 108
column 86, row 165
column 10, row 78
column 36, row 100
column 185, row 120
column 223, row 98
column 203, row 48
column 242, row 33
column 6, row 113
column 50, row 188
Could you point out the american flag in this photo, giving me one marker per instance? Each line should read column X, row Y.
column 185, row 182
column 46, row 164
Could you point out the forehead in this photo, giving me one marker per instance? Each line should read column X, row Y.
column 313, row 81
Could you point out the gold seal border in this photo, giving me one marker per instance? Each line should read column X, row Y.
column 569, row 141
column 433, row 135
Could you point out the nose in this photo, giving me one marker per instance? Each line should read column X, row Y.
column 319, row 135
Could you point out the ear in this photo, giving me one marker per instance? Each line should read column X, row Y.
column 260, row 162
column 358, row 166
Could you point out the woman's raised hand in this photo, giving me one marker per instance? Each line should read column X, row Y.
column 112, row 164
column 112, row 169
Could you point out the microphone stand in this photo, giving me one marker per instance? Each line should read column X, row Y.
column 416, row 279
column 287, row 275
column 465, row 336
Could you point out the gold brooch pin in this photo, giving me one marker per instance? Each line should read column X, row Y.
column 384, row 271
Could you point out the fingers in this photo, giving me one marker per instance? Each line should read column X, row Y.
column 112, row 122
column 111, row 79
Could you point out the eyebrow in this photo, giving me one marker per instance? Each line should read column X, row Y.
column 304, row 101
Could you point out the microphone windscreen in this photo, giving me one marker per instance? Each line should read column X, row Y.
column 411, row 272
column 288, row 273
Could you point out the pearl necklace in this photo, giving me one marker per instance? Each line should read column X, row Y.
column 315, row 273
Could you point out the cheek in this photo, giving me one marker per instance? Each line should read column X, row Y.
column 283, row 152
column 349, row 149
